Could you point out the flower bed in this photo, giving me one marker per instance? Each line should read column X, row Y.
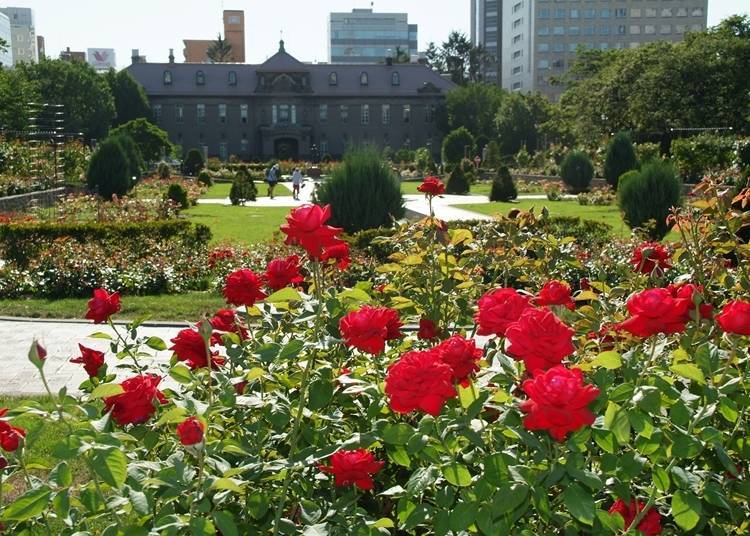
column 598, row 405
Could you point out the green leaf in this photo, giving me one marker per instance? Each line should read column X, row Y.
column 181, row 374
column 686, row 509
column 354, row 294
column 691, row 372
column 100, row 335
column 173, row 415
column 660, row 478
column 686, row 446
column 608, row 360
column 254, row 373
column 201, row 526
column 291, row 349
column 30, row 504
column 613, row 522
column 225, row 523
column 399, row 456
column 284, row 295
column 457, row 474
column 61, row 503
column 467, row 395
column 580, row 504
column 384, row 523
column 106, row 390
column 398, row 434
column 321, row 394
column 616, row 420
column 112, row 466
column 231, row 484
column 61, row 475
column 420, row 480
column 462, row 516
column 495, row 469
column 156, row 343
column 257, row 505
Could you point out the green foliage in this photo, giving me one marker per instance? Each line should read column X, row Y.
column 193, row 162
column 424, row 161
column 458, row 182
column 649, row 195
column 164, row 171
column 493, row 156
column 620, row 158
column 456, row 144
column 205, row 178
column 694, row 157
column 363, row 192
column 243, row 188
column 132, row 154
column 518, row 121
column 130, row 98
column 577, row 171
column 474, row 106
column 503, row 187
column 16, row 91
column 647, row 151
column 403, row 156
column 109, row 170
column 178, row 194
column 152, row 141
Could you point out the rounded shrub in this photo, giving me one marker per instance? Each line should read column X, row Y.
column 577, row 171
column 163, row 170
column 193, row 162
column 455, row 144
column 620, row 158
column 363, row 192
column 133, row 155
column 204, row 177
column 458, row 182
column 503, row 187
column 108, row 172
column 178, row 194
column 243, row 188
column 646, row 197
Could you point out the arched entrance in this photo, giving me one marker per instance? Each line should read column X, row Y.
column 286, row 148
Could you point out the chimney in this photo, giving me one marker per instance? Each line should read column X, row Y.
column 171, row 55
column 135, row 57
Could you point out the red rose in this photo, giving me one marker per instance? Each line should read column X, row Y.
column 498, row 309
column 419, row 380
column 655, row 311
column 353, row 467
column 243, row 287
column 558, row 401
column 189, row 347
column 735, row 318
column 428, row 330
column 239, row 387
column 339, row 253
column 555, row 293
column 281, row 273
column 432, row 186
column 650, row 525
column 103, row 305
column 461, row 355
column 539, row 339
column 649, row 256
column 687, row 295
column 306, row 228
column 368, row 328
column 226, row 320
column 10, row 436
column 92, row 360
column 3, row 463
column 219, row 254
column 190, row 431
column 136, row 404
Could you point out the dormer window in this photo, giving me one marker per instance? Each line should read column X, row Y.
column 395, row 79
column 364, row 79
column 200, row 78
column 333, row 79
column 167, row 78
column 232, row 78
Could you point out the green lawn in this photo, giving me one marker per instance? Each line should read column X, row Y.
column 247, row 225
column 220, row 190
column 608, row 214
column 189, row 306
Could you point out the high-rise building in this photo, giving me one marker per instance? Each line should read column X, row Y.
column 6, row 54
column 72, row 55
column 364, row 36
column 22, row 34
column 196, row 50
column 536, row 40
column 41, row 49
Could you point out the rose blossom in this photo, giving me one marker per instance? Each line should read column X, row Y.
column 281, row 273
column 103, row 305
column 686, row 295
column 368, row 328
column 136, row 404
column 655, row 311
column 339, row 253
column 432, row 186
column 10, row 436
column 558, row 401
column 461, row 355
column 649, row 256
column 735, row 317
column 419, row 380
column 555, row 293
column 92, row 360
column 650, row 525
column 306, row 227
column 428, row 330
column 353, row 467
column 226, row 320
column 243, row 287
column 498, row 309
column 189, row 347
column 190, row 431
column 539, row 339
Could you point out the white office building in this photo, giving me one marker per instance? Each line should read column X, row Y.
column 6, row 56
column 22, row 34
column 364, row 36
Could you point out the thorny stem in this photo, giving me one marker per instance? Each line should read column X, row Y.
column 126, row 346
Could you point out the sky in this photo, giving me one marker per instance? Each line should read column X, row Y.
column 155, row 26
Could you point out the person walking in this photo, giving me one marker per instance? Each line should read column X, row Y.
column 272, row 178
column 296, row 183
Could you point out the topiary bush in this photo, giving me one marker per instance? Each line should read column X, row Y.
column 164, row 171
column 620, row 158
column 458, row 182
column 109, row 170
column 503, row 187
column 243, row 188
column 178, row 194
column 455, row 143
column 133, row 155
column 577, row 171
column 648, row 195
column 193, row 162
column 363, row 192
column 204, row 177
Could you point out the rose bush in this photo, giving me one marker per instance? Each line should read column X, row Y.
column 329, row 417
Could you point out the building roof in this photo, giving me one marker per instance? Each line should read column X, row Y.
column 413, row 78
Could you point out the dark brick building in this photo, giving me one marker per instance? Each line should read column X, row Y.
column 286, row 108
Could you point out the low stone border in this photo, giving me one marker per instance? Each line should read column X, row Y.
column 44, row 198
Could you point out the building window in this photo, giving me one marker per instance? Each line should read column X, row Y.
column 649, row 29
column 543, row 64
column 559, row 13
column 386, row 113
column 157, row 112
column 635, row 13
column 323, row 113
column 200, row 78
column 364, row 79
column 558, row 30
column 574, row 30
column 650, row 12
column 543, row 30
column 573, row 13
column 284, row 113
column 589, row 13
column 696, row 12
column 200, row 113
column 621, row 30
column 681, row 11
column 635, row 29
column 323, row 146
column 365, row 119
column 517, row 23
column 243, row 113
column 179, row 113
column 333, row 79
column 604, row 30
column 517, row 38
column 517, row 85
column 679, row 28
column 344, row 113
column 542, row 47
column 665, row 29
column 395, row 79
column 621, row 12
column 167, row 78
column 407, row 113
column 517, row 6
column 232, row 78
column 517, row 54
column 558, row 47
column 429, row 116
column 244, row 144
column 605, row 13
column 222, row 113
column 666, row 12
column 517, row 69
column 223, row 152
column 543, row 14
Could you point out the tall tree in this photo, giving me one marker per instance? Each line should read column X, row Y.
column 480, row 62
column 220, row 50
column 401, row 56
column 15, row 94
column 520, row 120
column 475, row 107
column 432, row 55
column 130, row 98
column 152, row 142
column 455, row 57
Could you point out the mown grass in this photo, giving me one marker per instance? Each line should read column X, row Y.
column 220, row 190
column 244, row 225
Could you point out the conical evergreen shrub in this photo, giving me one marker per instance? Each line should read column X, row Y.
column 109, row 170
column 649, row 195
column 193, row 163
column 243, row 188
column 458, row 183
column 620, row 158
column 503, row 187
column 577, row 171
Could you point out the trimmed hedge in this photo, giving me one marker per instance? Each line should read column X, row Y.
column 20, row 242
